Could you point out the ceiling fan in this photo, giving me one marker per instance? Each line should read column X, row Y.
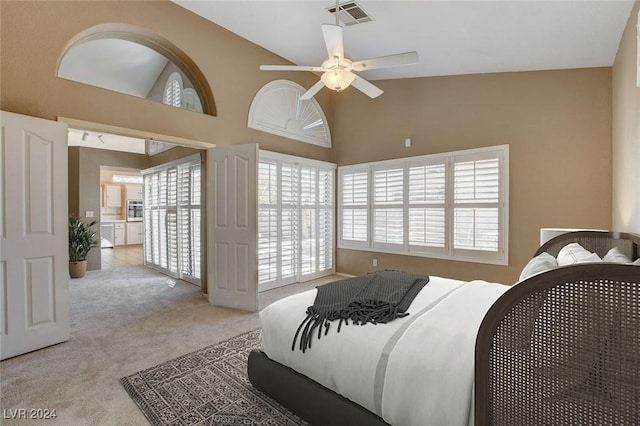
column 338, row 71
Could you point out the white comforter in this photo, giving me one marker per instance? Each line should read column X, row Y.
column 415, row 370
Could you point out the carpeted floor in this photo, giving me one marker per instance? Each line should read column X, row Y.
column 122, row 321
column 207, row 387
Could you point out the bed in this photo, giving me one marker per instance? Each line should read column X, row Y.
column 559, row 347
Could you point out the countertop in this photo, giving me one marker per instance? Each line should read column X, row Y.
column 113, row 221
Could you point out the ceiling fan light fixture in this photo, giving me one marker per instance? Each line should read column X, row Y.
column 337, row 80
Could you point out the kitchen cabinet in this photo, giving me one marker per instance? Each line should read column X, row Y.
column 134, row 232
column 112, row 195
column 133, row 192
column 119, row 234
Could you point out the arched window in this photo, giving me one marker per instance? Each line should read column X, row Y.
column 132, row 60
column 277, row 109
column 190, row 100
column 173, row 91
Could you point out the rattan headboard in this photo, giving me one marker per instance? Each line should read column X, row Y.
column 599, row 242
column 562, row 347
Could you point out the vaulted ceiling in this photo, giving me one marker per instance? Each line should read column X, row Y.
column 451, row 37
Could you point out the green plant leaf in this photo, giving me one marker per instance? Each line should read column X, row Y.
column 82, row 238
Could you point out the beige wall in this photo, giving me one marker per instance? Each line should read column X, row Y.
column 558, row 128
column 626, row 131
column 557, row 123
column 34, row 34
column 174, row 154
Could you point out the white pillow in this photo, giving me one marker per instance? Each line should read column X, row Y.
column 615, row 256
column 575, row 253
column 636, row 262
column 541, row 263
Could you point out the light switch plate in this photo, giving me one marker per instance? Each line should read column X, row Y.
column 88, row 213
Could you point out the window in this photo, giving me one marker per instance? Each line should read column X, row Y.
column 277, row 109
column 122, row 58
column 127, row 179
column 451, row 206
column 172, row 218
column 173, row 90
column 190, row 100
column 355, row 196
column 426, row 204
column 295, row 219
column 388, row 193
column 176, row 96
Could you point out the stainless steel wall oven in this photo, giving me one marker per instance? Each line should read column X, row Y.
column 135, row 211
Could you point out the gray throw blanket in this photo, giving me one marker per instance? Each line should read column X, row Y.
column 374, row 298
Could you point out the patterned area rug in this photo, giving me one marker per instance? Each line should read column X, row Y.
column 207, row 387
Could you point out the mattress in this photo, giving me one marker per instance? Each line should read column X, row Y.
column 414, row 370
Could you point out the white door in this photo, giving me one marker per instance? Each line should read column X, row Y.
column 34, row 261
column 232, row 226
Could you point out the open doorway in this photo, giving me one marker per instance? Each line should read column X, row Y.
column 135, row 196
column 121, row 217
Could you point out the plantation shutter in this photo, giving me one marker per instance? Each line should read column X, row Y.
column 308, row 221
column 288, row 224
column 354, row 205
column 295, row 219
column 476, row 204
column 195, row 209
column 427, row 196
column 171, row 211
column 172, row 219
column 189, row 220
column 173, row 90
column 267, row 222
column 388, row 211
column 159, row 221
column 450, row 205
column 325, row 219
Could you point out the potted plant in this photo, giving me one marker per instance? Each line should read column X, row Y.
column 82, row 238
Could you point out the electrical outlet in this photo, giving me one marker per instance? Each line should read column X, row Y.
column 375, row 262
column 407, row 143
column 88, row 213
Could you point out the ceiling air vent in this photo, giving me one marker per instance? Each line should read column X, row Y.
column 350, row 13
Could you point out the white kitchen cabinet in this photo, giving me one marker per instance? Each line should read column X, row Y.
column 134, row 232
column 119, row 238
column 133, row 192
column 112, row 195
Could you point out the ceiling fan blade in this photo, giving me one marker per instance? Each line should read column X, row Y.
column 312, row 91
column 289, row 68
column 365, row 87
column 399, row 59
column 333, row 40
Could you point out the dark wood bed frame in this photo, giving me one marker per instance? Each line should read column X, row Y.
column 560, row 347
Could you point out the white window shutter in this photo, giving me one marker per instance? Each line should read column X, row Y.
column 388, row 212
column 288, row 221
column 172, row 219
column 451, row 205
column 355, row 195
column 295, row 220
column 427, row 191
column 476, row 210
column 267, row 222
